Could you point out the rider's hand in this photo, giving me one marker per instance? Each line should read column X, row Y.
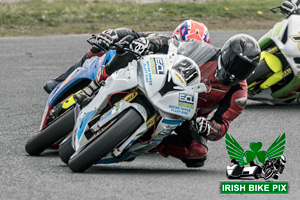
column 201, row 125
column 141, row 46
column 288, row 7
column 106, row 38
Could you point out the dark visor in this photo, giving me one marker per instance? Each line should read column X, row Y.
column 238, row 68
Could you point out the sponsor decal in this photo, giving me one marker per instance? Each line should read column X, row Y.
column 187, row 70
column 287, row 72
column 186, row 100
column 150, row 122
column 147, row 72
column 296, row 38
column 157, row 66
column 131, row 96
column 180, row 110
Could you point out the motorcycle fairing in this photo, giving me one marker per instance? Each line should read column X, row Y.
column 174, row 106
column 265, row 40
column 164, row 128
column 289, row 91
column 180, row 80
column 284, row 35
column 87, row 71
column 283, row 38
column 275, row 65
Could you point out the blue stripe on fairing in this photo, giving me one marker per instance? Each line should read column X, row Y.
column 115, row 160
column 171, row 122
column 83, row 123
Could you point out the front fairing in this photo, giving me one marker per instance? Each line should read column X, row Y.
column 87, row 71
column 285, row 35
column 167, row 82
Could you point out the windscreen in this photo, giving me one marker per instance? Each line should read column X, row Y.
column 200, row 52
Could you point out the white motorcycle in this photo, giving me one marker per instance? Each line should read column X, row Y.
column 137, row 107
column 277, row 78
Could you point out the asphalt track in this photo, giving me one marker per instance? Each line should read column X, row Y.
column 27, row 62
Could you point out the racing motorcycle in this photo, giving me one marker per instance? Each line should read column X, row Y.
column 58, row 118
column 277, row 77
column 136, row 107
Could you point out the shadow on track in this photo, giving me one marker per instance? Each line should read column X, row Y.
column 291, row 106
column 119, row 170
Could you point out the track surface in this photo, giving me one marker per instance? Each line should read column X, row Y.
column 26, row 63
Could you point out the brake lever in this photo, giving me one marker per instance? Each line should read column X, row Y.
column 120, row 47
column 133, row 52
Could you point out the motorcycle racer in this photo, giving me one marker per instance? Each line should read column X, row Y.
column 154, row 43
column 289, row 7
column 224, row 74
column 225, row 77
column 189, row 29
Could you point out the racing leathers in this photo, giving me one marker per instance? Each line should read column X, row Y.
column 94, row 51
column 154, row 43
column 229, row 102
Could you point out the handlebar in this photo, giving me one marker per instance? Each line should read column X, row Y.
column 92, row 42
column 121, row 46
column 273, row 9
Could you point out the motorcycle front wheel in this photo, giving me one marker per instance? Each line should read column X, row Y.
column 107, row 141
column 51, row 134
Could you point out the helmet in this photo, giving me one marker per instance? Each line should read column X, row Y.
column 190, row 29
column 238, row 59
column 282, row 160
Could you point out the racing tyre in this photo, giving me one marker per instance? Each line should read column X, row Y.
column 268, row 173
column 51, row 134
column 66, row 150
column 107, row 141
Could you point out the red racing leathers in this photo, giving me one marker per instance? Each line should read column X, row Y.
column 229, row 103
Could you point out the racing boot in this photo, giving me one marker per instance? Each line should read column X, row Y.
column 51, row 84
column 193, row 154
column 120, row 60
column 86, row 95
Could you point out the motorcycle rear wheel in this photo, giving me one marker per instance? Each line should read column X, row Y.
column 106, row 142
column 51, row 134
column 66, row 150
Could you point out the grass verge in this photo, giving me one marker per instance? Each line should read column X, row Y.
column 36, row 17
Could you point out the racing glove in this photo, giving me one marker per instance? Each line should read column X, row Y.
column 141, row 46
column 289, row 7
column 107, row 38
column 201, row 125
